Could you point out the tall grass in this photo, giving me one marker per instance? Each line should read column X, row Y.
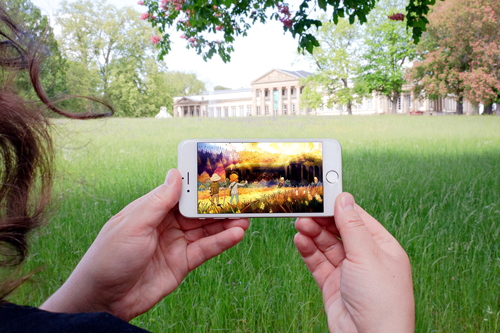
column 433, row 182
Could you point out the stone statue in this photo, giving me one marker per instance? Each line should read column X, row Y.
column 163, row 113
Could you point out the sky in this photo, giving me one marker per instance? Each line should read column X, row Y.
column 265, row 48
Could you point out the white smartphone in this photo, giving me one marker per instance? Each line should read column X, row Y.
column 259, row 178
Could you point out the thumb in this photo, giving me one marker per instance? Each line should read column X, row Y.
column 356, row 238
column 155, row 205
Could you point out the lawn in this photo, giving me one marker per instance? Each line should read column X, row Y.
column 433, row 182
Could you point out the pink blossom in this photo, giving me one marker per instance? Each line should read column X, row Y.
column 178, row 7
column 218, row 15
column 193, row 44
column 140, row 3
column 192, row 39
column 183, row 36
column 215, row 7
column 218, row 41
column 155, row 39
column 144, row 16
column 218, row 28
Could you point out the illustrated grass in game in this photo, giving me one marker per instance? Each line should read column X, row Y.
column 260, row 177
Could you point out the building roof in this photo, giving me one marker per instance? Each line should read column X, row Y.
column 215, row 92
column 296, row 73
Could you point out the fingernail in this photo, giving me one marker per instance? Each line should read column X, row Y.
column 170, row 177
column 348, row 202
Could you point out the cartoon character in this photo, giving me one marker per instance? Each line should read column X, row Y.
column 282, row 182
column 316, row 182
column 214, row 188
column 233, row 187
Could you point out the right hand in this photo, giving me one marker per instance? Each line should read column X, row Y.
column 365, row 277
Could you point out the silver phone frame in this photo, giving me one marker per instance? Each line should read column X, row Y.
column 187, row 164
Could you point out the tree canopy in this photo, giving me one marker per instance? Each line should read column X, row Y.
column 460, row 55
column 110, row 55
column 211, row 26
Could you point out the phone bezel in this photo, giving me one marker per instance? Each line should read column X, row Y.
column 187, row 163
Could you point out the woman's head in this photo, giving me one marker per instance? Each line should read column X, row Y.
column 26, row 151
column 233, row 177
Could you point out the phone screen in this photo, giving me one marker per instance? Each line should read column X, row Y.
column 260, row 177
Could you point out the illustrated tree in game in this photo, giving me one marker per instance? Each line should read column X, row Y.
column 211, row 26
column 460, row 55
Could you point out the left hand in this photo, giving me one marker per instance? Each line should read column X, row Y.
column 142, row 254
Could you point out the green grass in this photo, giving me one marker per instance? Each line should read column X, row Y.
column 433, row 182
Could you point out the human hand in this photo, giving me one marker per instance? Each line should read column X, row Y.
column 142, row 254
column 365, row 277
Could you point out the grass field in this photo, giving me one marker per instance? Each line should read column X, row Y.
column 433, row 182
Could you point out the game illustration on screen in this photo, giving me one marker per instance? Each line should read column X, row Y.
column 260, row 177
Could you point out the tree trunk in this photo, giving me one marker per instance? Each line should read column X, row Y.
column 395, row 103
column 460, row 105
column 349, row 108
column 488, row 109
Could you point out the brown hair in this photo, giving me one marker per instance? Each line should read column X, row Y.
column 26, row 150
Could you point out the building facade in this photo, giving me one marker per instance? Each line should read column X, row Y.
column 277, row 93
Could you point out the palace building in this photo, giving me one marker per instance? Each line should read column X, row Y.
column 277, row 93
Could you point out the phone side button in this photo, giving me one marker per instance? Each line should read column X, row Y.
column 201, row 218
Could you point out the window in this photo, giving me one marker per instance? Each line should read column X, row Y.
column 282, row 92
column 258, row 110
column 219, row 114
column 267, row 110
column 309, row 111
column 249, row 111
column 211, row 112
column 390, row 104
column 291, row 91
column 399, row 103
column 275, row 111
column 242, row 114
column 284, row 108
column 293, row 108
column 267, row 92
column 191, row 111
column 186, row 111
column 257, row 93
column 409, row 101
column 369, row 102
column 301, row 88
column 233, row 111
column 226, row 112
column 197, row 111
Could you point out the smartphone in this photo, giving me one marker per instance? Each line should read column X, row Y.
column 259, row 178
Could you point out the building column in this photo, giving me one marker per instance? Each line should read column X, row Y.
column 426, row 105
column 262, row 101
column 280, row 101
column 297, row 88
column 289, row 101
column 254, row 102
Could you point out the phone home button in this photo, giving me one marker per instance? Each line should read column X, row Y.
column 332, row 177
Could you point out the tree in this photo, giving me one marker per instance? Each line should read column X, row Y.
column 220, row 88
column 53, row 66
column 200, row 20
column 110, row 54
column 460, row 55
column 388, row 48
column 336, row 60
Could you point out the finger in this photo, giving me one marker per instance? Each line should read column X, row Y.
column 324, row 240
column 382, row 237
column 314, row 259
column 214, row 228
column 328, row 223
column 187, row 223
column 206, row 248
column 151, row 210
column 356, row 238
